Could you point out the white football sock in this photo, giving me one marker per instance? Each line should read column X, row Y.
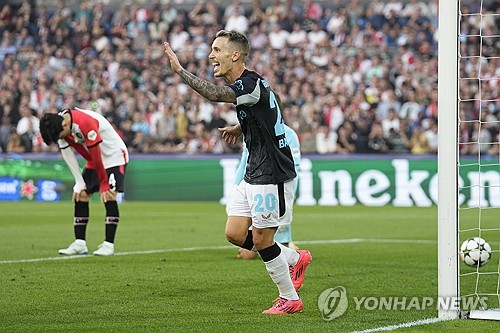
column 279, row 273
column 291, row 256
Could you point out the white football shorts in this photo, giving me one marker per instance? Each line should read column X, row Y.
column 268, row 205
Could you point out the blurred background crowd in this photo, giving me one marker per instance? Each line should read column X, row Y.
column 353, row 76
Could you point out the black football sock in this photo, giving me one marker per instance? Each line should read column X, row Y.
column 270, row 253
column 112, row 219
column 248, row 241
column 81, row 218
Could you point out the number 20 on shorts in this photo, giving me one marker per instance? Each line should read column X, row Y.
column 269, row 202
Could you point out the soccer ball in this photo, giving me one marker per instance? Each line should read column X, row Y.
column 475, row 252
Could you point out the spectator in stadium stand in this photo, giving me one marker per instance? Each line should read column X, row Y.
column 418, row 142
column 278, row 37
column 16, row 144
column 390, row 122
column 376, row 140
column 235, row 6
column 237, row 21
column 28, row 129
column 326, row 141
column 6, row 128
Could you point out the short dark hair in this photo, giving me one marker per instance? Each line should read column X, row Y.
column 51, row 127
column 236, row 38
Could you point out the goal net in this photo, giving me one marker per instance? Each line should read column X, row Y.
column 469, row 157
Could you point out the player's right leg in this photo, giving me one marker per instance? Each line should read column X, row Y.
column 239, row 219
column 80, row 221
column 237, row 232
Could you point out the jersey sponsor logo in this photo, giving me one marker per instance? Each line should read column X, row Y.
column 239, row 84
column 77, row 134
column 92, row 135
column 282, row 143
column 266, row 217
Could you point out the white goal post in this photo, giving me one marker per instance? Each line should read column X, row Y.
column 466, row 58
column 448, row 285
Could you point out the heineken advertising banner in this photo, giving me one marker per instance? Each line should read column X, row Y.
column 335, row 180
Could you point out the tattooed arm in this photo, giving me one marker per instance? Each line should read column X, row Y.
column 207, row 89
column 210, row 91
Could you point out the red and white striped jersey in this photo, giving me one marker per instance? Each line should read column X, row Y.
column 88, row 129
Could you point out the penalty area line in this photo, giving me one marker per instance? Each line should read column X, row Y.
column 404, row 325
column 225, row 247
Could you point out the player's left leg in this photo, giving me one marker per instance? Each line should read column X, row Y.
column 278, row 269
column 116, row 176
column 107, row 248
column 297, row 260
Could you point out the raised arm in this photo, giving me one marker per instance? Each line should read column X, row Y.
column 207, row 89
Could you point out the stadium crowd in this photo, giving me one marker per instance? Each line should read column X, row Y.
column 355, row 77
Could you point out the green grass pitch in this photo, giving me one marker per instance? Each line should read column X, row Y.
column 175, row 272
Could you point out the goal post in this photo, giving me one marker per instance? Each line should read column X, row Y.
column 468, row 156
column 448, row 278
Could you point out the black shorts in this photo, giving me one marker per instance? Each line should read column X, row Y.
column 116, row 176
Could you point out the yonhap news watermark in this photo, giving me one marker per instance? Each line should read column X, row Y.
column 334, row 302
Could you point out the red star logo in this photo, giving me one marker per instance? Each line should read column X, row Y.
column 28, row 189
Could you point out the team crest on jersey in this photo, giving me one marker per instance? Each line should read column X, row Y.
column 239, row 84
column 92, row 135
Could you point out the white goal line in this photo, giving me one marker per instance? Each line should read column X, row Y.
column 403, row 325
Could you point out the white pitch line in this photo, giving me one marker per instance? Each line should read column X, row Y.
column 403, row 325
column 183, row 249
column 225, row 247
column 369, row 240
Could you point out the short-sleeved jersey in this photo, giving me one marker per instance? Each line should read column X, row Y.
column 88, row 129
column 270, row 159
column 293, row 143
